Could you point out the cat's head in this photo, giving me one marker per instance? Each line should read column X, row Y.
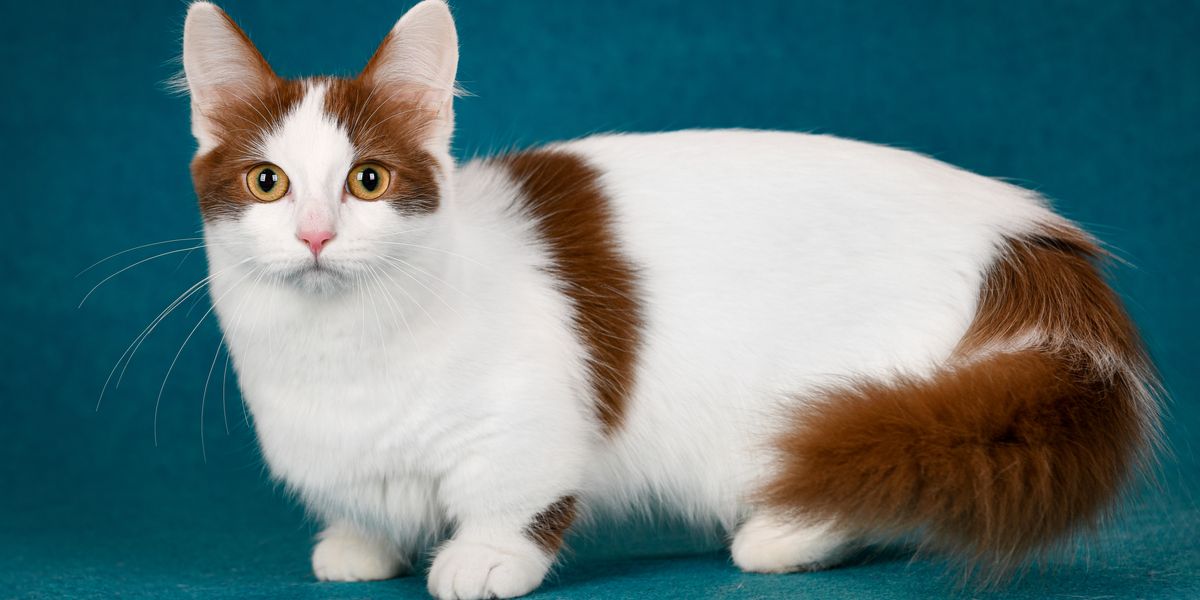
column 313, row 181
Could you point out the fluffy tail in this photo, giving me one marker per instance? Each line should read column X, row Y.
column 1032, row 433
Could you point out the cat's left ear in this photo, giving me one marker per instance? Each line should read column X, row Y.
column 417, row 63
column 222, row 67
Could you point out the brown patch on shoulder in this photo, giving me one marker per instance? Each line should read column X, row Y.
column 388, row 129
column 219, row 175
column 1030, row 435
column 549, row 526
column 562, row 194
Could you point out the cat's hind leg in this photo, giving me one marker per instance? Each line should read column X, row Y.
column 769, row 543
column 343, row 553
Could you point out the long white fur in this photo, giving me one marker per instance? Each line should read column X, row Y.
column 437, row 381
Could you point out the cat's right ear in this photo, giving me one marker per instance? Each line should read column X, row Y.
column 221, row 66
column 417, row 63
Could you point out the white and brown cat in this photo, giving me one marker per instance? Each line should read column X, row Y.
column 806, row 340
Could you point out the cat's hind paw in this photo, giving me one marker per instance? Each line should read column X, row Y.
column 342, row 555
column 768, row 544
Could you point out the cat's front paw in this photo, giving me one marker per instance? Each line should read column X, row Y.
column 469, row 570
column 344, row 556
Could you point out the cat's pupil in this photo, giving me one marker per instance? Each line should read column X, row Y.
column 267, row 180
column 369, row 179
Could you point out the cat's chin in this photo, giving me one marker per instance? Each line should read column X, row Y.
column 320, row 280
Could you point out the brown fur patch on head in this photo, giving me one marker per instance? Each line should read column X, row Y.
column 388, row 128
column 219, row 175
column 386, row 123
column 1030, row 435
column 563, row 196
column 549, row 526
column 381, row 128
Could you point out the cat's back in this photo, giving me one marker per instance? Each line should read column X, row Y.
column 686, row 181
column 840, row 254
column 799, row 213
column 763, row 176
column 748, row 266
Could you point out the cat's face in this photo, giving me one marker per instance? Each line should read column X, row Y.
column 320, row 182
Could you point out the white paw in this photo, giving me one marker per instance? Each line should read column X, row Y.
column 469, row 570
column 766, row 544
column 344, row 556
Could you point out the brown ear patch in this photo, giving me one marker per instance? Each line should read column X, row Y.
column 219, row 174
column 386, row 128
column 563, row 196
column 549, row 526
column 1007, row 452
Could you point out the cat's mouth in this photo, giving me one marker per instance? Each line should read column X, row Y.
column 319, row 277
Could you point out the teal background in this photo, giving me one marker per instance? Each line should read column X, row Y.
column 1094, row 103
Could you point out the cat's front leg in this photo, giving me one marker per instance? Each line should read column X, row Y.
column 346, row 553
column 512, row 507
column 374, row 528
column 488, row 561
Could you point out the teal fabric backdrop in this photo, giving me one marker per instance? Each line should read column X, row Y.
column 1094, row 103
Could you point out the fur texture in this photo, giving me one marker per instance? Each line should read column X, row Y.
column 1029, row 432
column 562, row 195
column 803, row 340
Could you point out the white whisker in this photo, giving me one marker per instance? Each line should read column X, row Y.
column 204, row 399
column 135, row 248
column 144, row 260
column 400, row 262
column 211, row 368
column 433, row 249
column 362, row 323
column 137, row 344
column 411, row 298
column 163, row 387
column 392, row 302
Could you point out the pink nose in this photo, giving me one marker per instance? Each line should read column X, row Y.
column 316, row 240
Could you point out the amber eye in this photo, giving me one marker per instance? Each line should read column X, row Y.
column 267, row 182
column 368, row 181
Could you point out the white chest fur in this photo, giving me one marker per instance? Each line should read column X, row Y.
column 368, row 402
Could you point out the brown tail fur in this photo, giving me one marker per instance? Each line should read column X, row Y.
column 1008, row 451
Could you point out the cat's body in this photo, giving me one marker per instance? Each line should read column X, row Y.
column 629, row 320
column 754, row 289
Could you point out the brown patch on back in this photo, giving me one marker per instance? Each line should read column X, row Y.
column 549, row 526
column 563, row 196
column 1006, row 453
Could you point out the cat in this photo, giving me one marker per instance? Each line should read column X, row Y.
column 808, row 341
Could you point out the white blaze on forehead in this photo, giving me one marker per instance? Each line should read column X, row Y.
column 314, row 151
